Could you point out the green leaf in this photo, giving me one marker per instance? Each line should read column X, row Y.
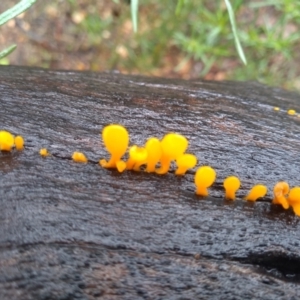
column 134, row 13
column 117, row 1
column 15, row 10
column 7, row 51
column 234, row 31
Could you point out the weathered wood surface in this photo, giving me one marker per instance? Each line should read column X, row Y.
column 72, row 231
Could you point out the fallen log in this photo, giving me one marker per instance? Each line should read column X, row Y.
column 79, row 231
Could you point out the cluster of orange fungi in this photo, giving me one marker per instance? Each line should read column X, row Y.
column 171, row 147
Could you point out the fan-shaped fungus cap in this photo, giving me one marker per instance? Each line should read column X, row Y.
column 6, row 141
column 19, row 142
column 258, row 191
column 172, row 145
column 79, row 157
column 116, row 139
column 231, row 185
column 294, row 199
column 137, row 155
column 204, row 178
column 185, row 162
column 280, row 191
column 44, row 152
column 154, row 150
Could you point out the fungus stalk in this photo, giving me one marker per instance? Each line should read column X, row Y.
column 258, row 191
column 173, row 145
column 137, row 155
column 44, row 152
column 116, row 140
column 280, row 191
column 79, row 157
column 6, row 141
column 19, row 143
column 185, row 162
column 231, row 185
column 294, row 199
column 153, row 147
column 204, row 178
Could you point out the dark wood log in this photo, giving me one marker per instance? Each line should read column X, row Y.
column 73, row 231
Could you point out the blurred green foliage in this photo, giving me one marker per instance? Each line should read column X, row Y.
column 269, row 32
column 10, row 14
column 200, row 31
column 183, row 38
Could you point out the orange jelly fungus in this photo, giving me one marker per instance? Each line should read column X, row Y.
column 185, row 162
column 153, row 147
column 294, row 199
column 291, row 112
column 231, row 185
column 204, row 178
column 44, row 152
column 173, row 145
column 276, row 108
column 258, row 191
column 137, row 155
column 281, row 189
column 79, row 157
column 7, row 141
column 19, row 142
column 116, row 140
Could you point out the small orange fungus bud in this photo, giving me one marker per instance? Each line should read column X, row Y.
column 173, row 145
column 137, row 155
column 116, row 140
column 79, row 157
column 258, row 191
column 280, row 191
column 291, row 112
column 154, row 151
column 44, row 152
column 19, row 142
column 185, row 162
column 6, row 141
column 276, row 108
column 231, row 185
column 204, row 178
column 294, row 199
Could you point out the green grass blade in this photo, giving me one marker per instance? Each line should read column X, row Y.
column 15, row 10
column 179, row 6
column 134, row 13
column 234, row 31
column 7, row 51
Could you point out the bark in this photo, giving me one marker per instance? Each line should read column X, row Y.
column 78, row 231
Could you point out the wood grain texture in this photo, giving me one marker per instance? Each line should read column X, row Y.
column 73, row 231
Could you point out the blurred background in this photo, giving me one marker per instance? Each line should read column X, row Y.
column 195, row 42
